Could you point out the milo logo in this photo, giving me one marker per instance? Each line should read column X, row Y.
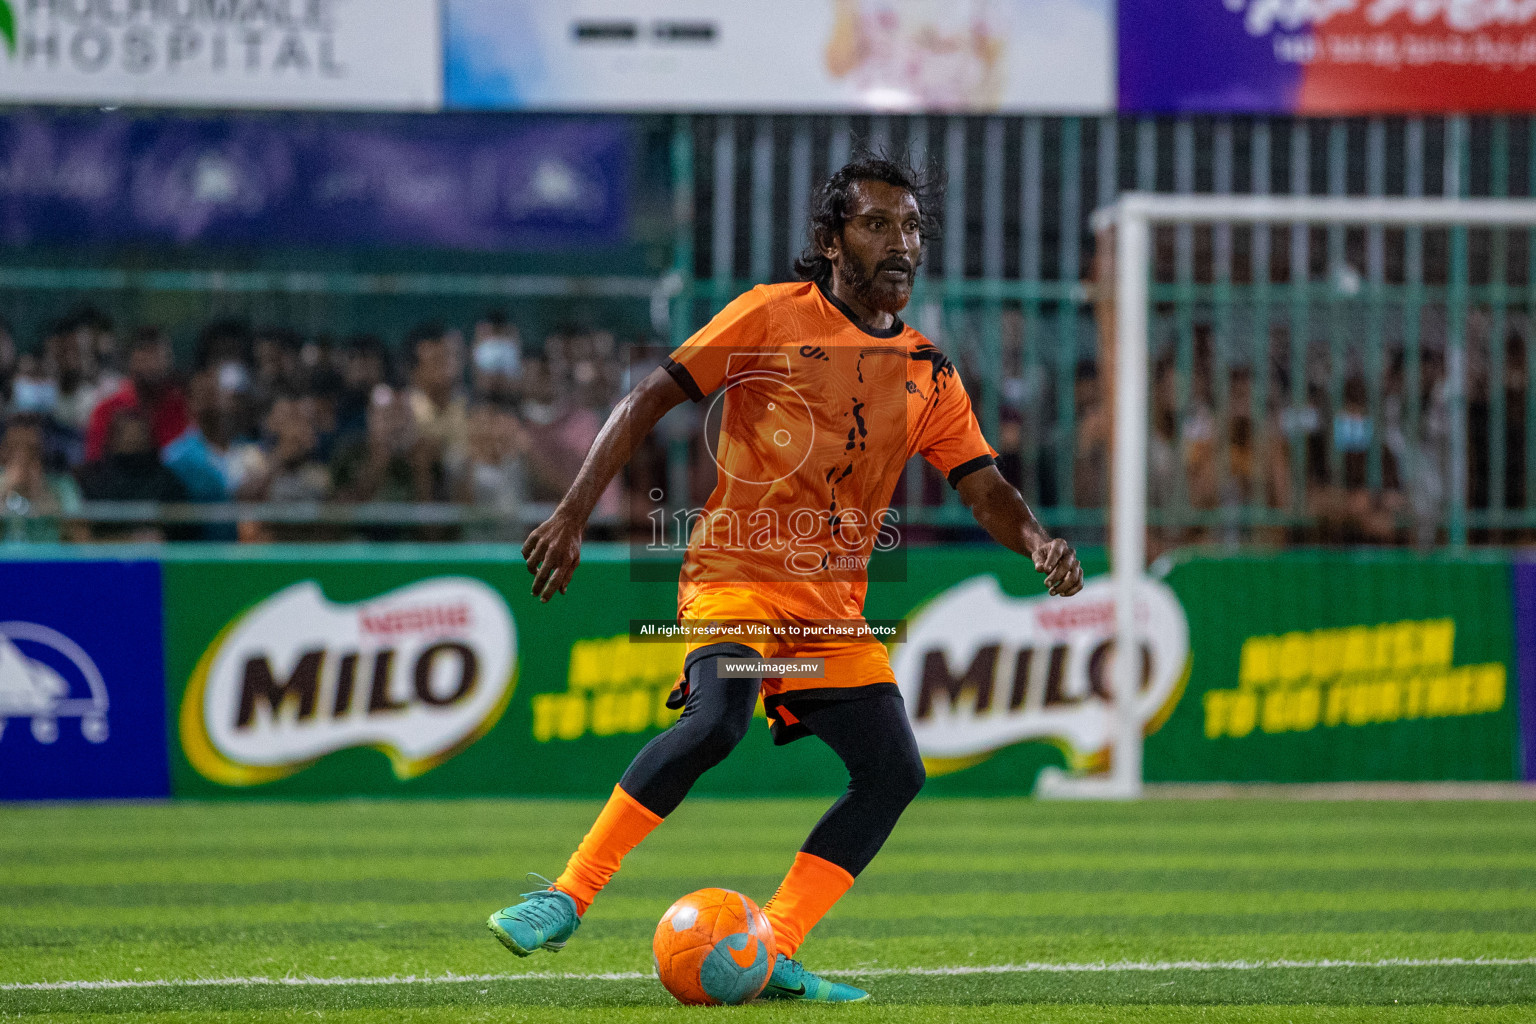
column 419, row 673
column 982, row 670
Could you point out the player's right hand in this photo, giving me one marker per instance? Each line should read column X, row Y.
column 552, row 553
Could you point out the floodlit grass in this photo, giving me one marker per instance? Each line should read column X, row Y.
column 374, row 890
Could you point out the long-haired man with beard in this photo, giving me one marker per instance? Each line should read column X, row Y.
column 825, row 395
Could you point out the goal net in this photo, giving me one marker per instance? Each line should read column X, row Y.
column 1306, row 370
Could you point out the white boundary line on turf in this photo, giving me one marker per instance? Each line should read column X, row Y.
column 1128, row 966
column 1103, row 967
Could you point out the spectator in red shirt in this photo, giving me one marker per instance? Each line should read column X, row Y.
column 150, row 388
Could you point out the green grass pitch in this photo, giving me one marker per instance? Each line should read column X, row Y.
column 1190, row 905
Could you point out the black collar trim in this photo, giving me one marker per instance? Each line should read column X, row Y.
column 842, row 307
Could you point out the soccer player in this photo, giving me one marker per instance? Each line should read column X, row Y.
column 826, row 395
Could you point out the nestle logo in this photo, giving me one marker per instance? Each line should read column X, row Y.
column 422, row 619
column 300, row 676
column 1101, row 614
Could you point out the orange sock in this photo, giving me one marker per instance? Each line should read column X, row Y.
column 624, row 822
column 804, row 897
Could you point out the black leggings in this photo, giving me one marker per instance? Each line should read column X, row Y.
column 869, row 733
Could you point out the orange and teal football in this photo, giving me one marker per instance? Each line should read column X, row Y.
column 714, row 947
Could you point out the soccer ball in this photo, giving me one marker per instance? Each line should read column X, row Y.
column 712, row 947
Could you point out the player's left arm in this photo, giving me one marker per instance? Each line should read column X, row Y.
column 1002, row 512
column 949, row 437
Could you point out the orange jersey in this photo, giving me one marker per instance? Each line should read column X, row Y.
column 814, row 419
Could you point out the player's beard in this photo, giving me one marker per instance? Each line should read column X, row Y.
column 871, row 286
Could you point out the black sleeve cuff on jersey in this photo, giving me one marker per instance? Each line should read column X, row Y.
column 965, row 469
column 684, row 379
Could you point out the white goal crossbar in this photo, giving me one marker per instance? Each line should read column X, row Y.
column 1132, row 218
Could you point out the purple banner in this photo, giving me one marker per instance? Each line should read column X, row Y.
column 1196, row 56
column 1338, row 57
column 463, row 181
column 1525, row 659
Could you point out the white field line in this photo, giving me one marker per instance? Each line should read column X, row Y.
column 1102, row 967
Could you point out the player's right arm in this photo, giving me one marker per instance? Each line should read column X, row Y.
column 553, row 550
column 698, row 366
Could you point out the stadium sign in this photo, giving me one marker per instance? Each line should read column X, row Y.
column 982, row 670
column 1319, row 666
column 419, row 673
column 1327, row 56
column 35, row 690
column 889, row 55
column 82, row 681
column 379, row 54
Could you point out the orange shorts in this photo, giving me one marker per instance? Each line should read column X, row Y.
column 849, row 663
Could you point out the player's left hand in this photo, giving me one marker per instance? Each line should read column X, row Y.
column 1063, row 572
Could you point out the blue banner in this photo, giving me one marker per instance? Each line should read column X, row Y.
column 462, row 182
column 82, row 681
column 1525, row 660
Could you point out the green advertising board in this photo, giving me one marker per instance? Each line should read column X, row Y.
column 313, row 672
column 576, row 699
column 1325, row 667
column 432, row 671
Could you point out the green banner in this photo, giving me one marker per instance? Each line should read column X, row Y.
column 1325, row 667
column 318, row 672
column 315, row 672
column 258, row 650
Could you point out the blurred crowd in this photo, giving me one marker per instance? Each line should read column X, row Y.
column 1300, row 448
column 1317, row 448
column 268, row 416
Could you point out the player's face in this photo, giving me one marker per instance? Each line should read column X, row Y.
column 880, row 246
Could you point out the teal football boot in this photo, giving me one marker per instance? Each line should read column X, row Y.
column 546, row 919
column 792, row 981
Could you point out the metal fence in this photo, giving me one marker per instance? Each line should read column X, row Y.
column 1307, row 374
column 1270, row 344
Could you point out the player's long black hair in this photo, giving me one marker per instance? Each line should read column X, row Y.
column 829, row 206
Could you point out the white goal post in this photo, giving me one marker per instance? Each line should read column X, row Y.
column 1133, row 217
